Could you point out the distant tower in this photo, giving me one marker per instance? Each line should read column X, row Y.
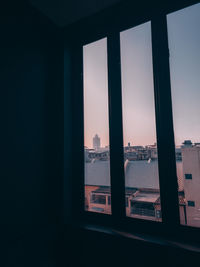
column 96, row 142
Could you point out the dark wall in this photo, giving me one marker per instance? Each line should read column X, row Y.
column 31, row 139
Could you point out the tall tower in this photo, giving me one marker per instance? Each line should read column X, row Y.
column 96, row 142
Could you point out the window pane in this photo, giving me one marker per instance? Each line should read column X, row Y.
column 184, row 47
column 140, row 149
column 96, row 129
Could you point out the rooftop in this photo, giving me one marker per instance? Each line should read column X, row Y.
column 146, row 197
column 138, row 174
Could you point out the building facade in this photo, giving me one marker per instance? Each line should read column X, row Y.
column 191, row 180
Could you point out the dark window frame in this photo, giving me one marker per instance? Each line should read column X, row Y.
column 164, row 121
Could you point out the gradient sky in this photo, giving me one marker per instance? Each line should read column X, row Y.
column 95, row 92
column 137, row 82
column 137, row 86
column 184, row 46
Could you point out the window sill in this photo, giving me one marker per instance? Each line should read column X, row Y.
column 149, row 239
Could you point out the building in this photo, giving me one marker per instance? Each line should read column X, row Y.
column 191, row 181
column 142, row 189
column 96, row 142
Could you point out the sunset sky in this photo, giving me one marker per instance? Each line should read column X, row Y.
column 137, row 82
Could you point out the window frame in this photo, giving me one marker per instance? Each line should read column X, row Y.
column 170, row 225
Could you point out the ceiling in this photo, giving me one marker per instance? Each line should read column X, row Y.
column 65, row 12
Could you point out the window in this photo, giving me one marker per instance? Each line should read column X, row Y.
column 141, row 122
column 142, row 209
column 140, row 144
column 99, row 199
column 191, row 203
column 96, row 130
column 184, row 43
column 188, row 176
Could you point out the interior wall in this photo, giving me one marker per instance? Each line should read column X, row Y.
column 31, row 143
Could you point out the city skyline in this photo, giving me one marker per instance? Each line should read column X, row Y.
column 133, row 144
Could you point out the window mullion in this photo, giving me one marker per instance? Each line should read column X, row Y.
column 164, row 124
column 115, row 128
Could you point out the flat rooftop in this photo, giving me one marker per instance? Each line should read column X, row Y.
column 146, row 197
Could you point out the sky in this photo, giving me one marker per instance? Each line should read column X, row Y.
column 184, row 46
column 95, row 92
column 137, row 82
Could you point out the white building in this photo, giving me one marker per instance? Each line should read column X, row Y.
column 191, row 175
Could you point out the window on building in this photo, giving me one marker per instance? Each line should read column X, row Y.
column 191, row 203
column 188, row 176
column 98, row 199
column 142, row 209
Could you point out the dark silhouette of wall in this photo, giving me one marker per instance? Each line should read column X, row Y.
column 31, row 139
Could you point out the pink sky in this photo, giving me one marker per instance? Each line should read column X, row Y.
column 137, row 82
column 137, row 88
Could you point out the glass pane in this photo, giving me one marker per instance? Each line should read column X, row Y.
column 140, row 149
column 184, row 46
column 96, row 128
